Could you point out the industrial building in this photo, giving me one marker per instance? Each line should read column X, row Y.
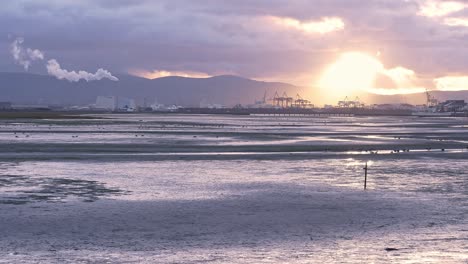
column 452, row 106
column 106, row 103
column 126, row 104
column 114, row 103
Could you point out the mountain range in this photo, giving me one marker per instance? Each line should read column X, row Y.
column 226, row 90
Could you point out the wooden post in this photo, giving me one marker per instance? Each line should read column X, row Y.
column 365, row 177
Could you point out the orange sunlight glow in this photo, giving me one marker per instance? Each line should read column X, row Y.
column 356, row 72
column 353, row 71
column 161, row 73
column 452, row 83
column 395, row 91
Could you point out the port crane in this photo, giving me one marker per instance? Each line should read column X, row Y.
column 285, row 101
column 302, row 103
column 346, row 103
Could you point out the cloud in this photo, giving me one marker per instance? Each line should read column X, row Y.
column 54, row 69
column 24, row 57
column 395, row 91
column 404, row 81
column 456, row 22
column 400, row 75
column 451, row 83
column 214, row 37
column 322, row 26
column 443, row 11
column 440, row 8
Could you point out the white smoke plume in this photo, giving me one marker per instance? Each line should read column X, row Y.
column 54, row 69
column 24, row 57
column 35, row 54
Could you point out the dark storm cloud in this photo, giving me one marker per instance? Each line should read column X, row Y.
column 214, row 37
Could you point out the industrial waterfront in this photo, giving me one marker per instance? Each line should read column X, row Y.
column 277, row 105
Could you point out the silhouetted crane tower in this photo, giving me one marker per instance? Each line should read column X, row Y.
column 346, row 103
column 284, row 101
column 302, row 103
column 431, row 101
column 263, row 101
column 264, row 97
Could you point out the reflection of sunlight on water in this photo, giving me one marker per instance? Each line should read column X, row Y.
column 354, row 163
column 315, row 185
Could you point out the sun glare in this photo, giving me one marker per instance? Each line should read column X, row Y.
column 352, row 72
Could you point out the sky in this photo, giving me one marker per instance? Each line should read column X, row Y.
column 384, row 46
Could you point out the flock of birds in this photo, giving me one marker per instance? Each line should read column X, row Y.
column 140, row 127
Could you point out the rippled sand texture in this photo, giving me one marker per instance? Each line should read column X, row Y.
column 233, row 189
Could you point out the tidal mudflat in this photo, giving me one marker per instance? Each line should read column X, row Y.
column 142, row 188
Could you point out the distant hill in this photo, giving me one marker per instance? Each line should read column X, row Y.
column 226, row 89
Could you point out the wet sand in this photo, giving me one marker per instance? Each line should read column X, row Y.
column 224, row 189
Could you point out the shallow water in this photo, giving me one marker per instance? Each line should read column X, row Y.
column 234, row 189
